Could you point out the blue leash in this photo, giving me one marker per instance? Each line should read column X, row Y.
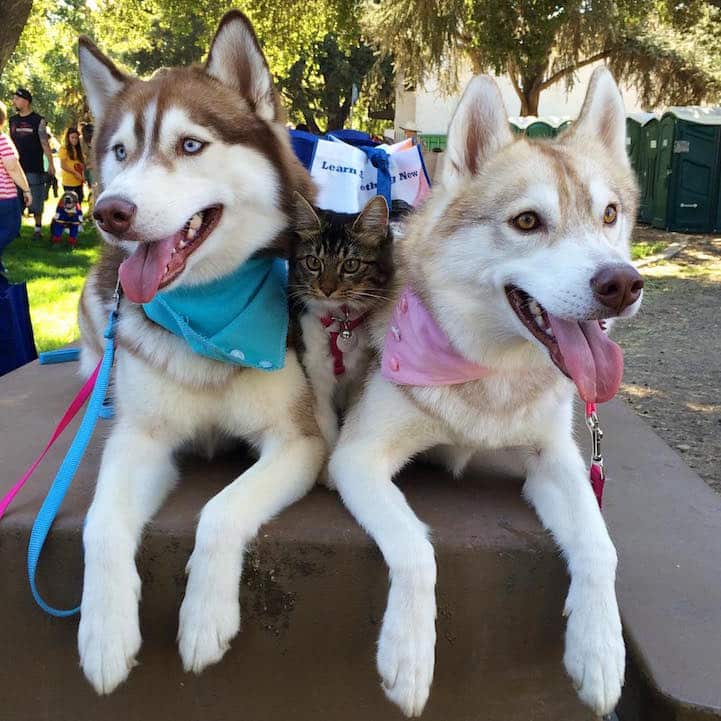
column 51, row 505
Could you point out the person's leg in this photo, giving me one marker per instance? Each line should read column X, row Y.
column 37, row 190
column 10, row 214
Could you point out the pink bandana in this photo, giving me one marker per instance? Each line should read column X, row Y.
column 417, row 352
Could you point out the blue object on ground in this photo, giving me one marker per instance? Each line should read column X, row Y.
column 64, row 355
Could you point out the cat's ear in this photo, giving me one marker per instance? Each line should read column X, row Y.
column 371, row 226
column 307, row 222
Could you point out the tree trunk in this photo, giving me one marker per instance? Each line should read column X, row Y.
column 13, row 17
column 529, row 101
column 527, row 88
column 337, row 116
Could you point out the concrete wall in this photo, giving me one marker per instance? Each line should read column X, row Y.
column 431, row 109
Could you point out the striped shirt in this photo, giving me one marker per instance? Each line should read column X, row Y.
column 7, row 184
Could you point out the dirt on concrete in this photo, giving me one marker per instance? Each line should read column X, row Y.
column 672, row 348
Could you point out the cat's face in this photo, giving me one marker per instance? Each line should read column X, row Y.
column 341, row 259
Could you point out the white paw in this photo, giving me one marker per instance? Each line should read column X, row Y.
column 406, row 647
column 595, row 655
column 210, row 614
column 109, row 631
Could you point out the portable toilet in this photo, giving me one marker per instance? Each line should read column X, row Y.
column 541, row 128
column 635, row 123
column 520, row 123
column 686, row 184
column 642, row 144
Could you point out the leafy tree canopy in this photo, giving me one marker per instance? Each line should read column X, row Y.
column 668, row 49
column 317, row 43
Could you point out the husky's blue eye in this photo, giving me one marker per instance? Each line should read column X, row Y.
column 120, row 153
column 191, row 146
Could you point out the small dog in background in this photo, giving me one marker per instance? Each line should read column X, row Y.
column 68, row 216
column 503, row 281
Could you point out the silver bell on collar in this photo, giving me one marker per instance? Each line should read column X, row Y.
column 347, row 340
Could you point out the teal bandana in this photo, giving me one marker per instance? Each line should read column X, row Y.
column 241, row 318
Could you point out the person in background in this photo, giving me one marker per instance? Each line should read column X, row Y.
column 28, row 132
column 72, row 163
column 86, row 143
column 12, row 177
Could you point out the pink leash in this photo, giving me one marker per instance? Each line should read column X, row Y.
column 76, row 404
column 598, row 475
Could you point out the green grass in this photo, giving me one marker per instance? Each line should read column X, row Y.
column 55, row 277
column 642, row 249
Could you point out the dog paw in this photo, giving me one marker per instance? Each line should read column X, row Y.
column 109, row 632
column 209, row 617
column 595, row 656
column 406, row 649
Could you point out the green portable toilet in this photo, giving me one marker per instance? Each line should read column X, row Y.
column 433, row 143
column 540, row 128
column 634, row 128
column 520, row 123
column 686, row 184
column 556, row 122
column 641, row 144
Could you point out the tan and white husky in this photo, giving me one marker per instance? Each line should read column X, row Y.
column 197, row 175
column 519, row 255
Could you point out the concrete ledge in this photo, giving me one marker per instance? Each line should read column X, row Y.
column 314, row 589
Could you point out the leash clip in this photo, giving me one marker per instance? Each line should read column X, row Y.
column 117, row 294
column 596, row 436
column 597, row 472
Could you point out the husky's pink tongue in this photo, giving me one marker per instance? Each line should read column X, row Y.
column 141, row 273
column 592, row 359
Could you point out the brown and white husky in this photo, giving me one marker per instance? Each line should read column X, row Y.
column 518, row 258
column 197, row 176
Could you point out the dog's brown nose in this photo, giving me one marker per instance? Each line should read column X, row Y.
column 114, row 215
column 617, row 286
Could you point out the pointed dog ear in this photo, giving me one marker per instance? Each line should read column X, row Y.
column 236, row 60
column 99, row 76
column 371, row 225
column 602, row 115
column 478, row 129
column 307, row 222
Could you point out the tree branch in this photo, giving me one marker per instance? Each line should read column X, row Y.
column 573, row 68
column 511, row 70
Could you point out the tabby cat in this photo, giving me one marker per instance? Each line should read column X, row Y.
column 340, row 271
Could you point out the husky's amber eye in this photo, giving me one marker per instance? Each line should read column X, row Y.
column 312, row 263
column 120, row 153
column 191, row 146
column 352, row 265
column 526, row 221
column 610, row 214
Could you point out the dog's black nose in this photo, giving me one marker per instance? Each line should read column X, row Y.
column 617, row 286
column 114, row 215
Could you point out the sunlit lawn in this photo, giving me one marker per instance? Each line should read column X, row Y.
column 54, row 276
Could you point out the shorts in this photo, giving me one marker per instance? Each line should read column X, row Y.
column 10, row 216
column 36, row 181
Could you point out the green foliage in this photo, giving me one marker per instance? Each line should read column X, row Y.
column 667, row 48
column 44, row 61
column 316, row 42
